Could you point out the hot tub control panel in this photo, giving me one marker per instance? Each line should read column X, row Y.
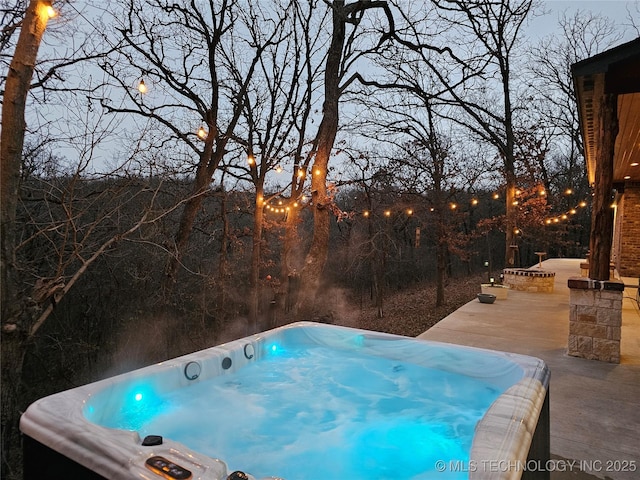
column 167, row 469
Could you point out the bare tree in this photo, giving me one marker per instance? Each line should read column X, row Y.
column 477, row 42
column 340, row 56
column 197, row 62
column 276, row 114
column 556, row 115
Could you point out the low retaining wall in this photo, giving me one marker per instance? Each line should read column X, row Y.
column 529, row 280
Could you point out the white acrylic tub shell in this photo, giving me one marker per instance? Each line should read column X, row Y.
column 63, row 421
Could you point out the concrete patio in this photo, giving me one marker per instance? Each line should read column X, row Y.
column 595, row 406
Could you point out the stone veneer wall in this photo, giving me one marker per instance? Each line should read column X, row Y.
column 595, row 319
column 629, row 254
column 525, row 280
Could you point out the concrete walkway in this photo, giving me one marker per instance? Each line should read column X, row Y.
column 595, row 406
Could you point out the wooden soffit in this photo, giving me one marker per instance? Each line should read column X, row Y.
column 616, row 71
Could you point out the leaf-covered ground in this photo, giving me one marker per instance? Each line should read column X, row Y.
column 409, row 312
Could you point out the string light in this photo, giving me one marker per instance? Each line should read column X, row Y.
column 142, row 87
column 409, row 212
column 250, row 160
column 202, row 133
column 474, row 202
column 496, row 196
column 279, row 169
column 49, row 11
column 568, row 191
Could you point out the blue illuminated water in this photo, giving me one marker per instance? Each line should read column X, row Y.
column 318, row 413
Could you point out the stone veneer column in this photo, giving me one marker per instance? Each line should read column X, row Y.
column 595, row 319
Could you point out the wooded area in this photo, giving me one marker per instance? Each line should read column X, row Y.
column 178, row 174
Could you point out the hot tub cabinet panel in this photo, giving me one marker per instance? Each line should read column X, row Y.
column 91, row 432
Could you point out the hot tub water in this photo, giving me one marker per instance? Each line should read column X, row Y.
column 320, row 413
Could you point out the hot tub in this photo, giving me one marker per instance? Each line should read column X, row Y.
column 304, row 401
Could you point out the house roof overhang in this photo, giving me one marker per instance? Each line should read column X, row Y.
column 616, row 71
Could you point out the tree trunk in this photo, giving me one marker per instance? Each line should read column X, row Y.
column 441, row 268
column 287, row 269
column 12, row 140
column 510, row 221
column 318, row 251
column 254, row 278
column 14, row 347
column 15, row 323
column 206, row 168
column 221, row 298
column 602, row 214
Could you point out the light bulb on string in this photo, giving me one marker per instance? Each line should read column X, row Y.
column 142, row 87
column 202, row 133
column 49, row 11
